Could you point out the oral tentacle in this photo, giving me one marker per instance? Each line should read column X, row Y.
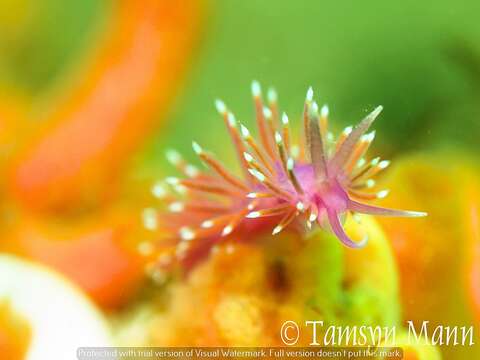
column 345, row 150
column 316, row 149
column 381, row 211
column 306, row 124
column 338, row 230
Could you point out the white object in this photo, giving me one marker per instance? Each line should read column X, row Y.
column 60, row 316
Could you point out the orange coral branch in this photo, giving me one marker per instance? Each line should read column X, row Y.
column 87, row 138
column 473, row 232
column 15, row 333
column 97, row 255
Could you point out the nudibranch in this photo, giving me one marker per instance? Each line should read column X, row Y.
column 282, row 184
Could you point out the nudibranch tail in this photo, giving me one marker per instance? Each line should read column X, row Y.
column 282, row 183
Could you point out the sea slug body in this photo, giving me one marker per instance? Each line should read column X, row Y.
column 282, row 184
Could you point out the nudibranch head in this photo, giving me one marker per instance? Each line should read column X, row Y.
column 282, row 184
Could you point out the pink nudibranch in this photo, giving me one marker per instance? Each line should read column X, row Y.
column 315, row 183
